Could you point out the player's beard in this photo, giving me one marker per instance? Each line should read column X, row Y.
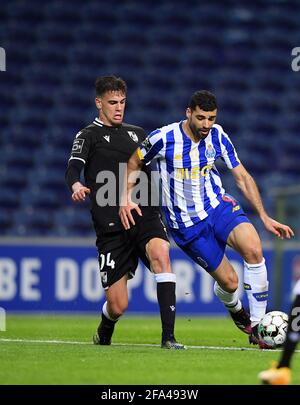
column 197, row 132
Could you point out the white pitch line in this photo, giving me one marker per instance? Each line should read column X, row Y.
column 74, row 342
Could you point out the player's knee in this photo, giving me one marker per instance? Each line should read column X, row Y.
column 254, row 255
column 159, row 257
column 118, row 309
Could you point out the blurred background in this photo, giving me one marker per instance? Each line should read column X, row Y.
column 165, row 50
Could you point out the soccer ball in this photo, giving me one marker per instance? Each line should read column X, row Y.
column 272, row 328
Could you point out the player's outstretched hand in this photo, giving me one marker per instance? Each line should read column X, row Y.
column 80, row 194
column 126, row 215
column 280, row 230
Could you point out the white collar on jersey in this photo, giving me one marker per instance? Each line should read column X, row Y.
column 98, row 122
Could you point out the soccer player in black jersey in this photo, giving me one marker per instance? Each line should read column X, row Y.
column 280, row 373
column 100, row 149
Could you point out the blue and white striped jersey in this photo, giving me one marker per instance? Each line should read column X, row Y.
column 191, row 183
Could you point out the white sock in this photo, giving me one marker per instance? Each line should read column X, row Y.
column 106, row 314
column 256, row 286
column 230, row 300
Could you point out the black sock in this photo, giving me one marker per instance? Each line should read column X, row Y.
column 167, row 304
column 293, row 335
column 106, row 326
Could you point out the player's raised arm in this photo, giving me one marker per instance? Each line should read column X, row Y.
column 134, row 166
column 247, row 185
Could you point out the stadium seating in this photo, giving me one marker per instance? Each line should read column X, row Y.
column 165, row 51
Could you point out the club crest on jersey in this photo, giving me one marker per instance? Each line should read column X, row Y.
column 133, row 136
column 103, row 275
column 210, row 152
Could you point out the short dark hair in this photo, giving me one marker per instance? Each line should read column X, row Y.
column 204, row 99
column 104, row 84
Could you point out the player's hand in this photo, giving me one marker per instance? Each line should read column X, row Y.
column 126, row 215
column 280, row 230
column 80, row 194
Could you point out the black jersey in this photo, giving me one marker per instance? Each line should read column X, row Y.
column 101, row 149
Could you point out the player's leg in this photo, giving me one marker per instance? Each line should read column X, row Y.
column 293, row 330
column 117, row 263
column 153, row 248
column 234, row 228
column 280, row 374
column 244, row 239
column 115, row 305
column 225, row 288
column 200, row 244
column 157, row 251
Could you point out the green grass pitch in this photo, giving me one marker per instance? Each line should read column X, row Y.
column 57, row 349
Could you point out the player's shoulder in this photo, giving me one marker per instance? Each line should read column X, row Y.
column 162, row 131
column 87, row 131
column 218, row 129
column 132, row 127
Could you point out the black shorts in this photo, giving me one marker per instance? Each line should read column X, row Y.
column 119, row 252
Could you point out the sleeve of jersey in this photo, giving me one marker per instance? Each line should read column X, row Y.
column 228, row 152
column 151, row 147
column 81, row 147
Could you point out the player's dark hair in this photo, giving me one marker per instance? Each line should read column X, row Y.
column 204, row 99
column 104, row 84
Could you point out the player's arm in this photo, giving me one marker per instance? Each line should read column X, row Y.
column 80, row 150
column 151, row 147
column 79, row 191
column 134, row 167
column 248, row 187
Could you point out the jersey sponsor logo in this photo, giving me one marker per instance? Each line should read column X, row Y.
column 193, row 173
column 133, row 136
column 210, row 152
column 146, row 144
column 77, row 145
column 178, row 156
column 107, row 138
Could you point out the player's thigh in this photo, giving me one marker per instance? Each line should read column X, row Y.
column 151, row 240
column 117, row 258
column 225, row 275
column 201, row 245
column 245, row 239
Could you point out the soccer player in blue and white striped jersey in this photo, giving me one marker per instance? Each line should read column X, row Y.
column 202, row 218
